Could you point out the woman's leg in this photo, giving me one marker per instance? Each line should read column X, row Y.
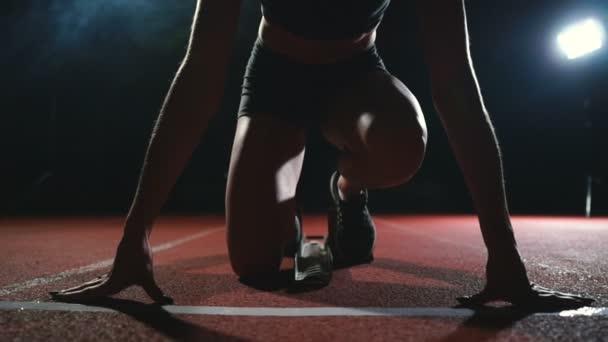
column 378, row 125
column 265, row 167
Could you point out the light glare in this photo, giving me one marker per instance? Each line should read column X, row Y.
column 582, row 38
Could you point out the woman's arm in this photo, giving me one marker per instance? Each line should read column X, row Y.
column 192, row 100
column 460, row 105
column 458, row 100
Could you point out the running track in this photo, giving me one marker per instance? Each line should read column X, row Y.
column 408, row 293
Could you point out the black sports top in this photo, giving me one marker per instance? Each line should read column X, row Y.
column 325, row 19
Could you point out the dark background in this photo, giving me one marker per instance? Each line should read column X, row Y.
column 82, row 82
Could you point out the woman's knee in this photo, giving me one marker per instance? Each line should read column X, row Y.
column 257, row 232
column 255, row 246
column 397, row 153
column 395, row 139
column 250, row 264
column 265, row 166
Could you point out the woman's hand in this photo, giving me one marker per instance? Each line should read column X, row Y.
column 534, row 298
column 132, row 266
column 507, row 281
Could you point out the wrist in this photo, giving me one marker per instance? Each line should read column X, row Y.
column 504, row 251
column 498, row 234
column 495, row 217
column 135, row 231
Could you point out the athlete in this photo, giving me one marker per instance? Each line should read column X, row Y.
column 315, row 64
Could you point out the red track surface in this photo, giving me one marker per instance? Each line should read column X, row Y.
column 421, row 261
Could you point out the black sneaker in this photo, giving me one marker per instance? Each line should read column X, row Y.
column 292, row 247
column 352, row 233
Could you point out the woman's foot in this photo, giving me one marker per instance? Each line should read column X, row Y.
column 352, row 233
column 292, row 247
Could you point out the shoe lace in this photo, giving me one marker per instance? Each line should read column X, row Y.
column 352, row 211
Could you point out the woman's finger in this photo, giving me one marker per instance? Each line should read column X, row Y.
column 104, row 289
column 94, row 291
column 149, row 285
column 545, row 299
column 481, row 298
column 87, row 284
column 156, row 293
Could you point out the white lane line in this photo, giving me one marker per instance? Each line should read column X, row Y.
column 88, row 268
column 288, row 312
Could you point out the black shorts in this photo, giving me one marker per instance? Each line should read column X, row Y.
column 298, row 92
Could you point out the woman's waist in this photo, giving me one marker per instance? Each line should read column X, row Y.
column 309, row 51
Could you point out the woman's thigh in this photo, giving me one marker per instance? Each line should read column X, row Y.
column 265, row 166
column 378, row 125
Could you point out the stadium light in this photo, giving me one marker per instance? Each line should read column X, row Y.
column 581, row 38
column 577, row 40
